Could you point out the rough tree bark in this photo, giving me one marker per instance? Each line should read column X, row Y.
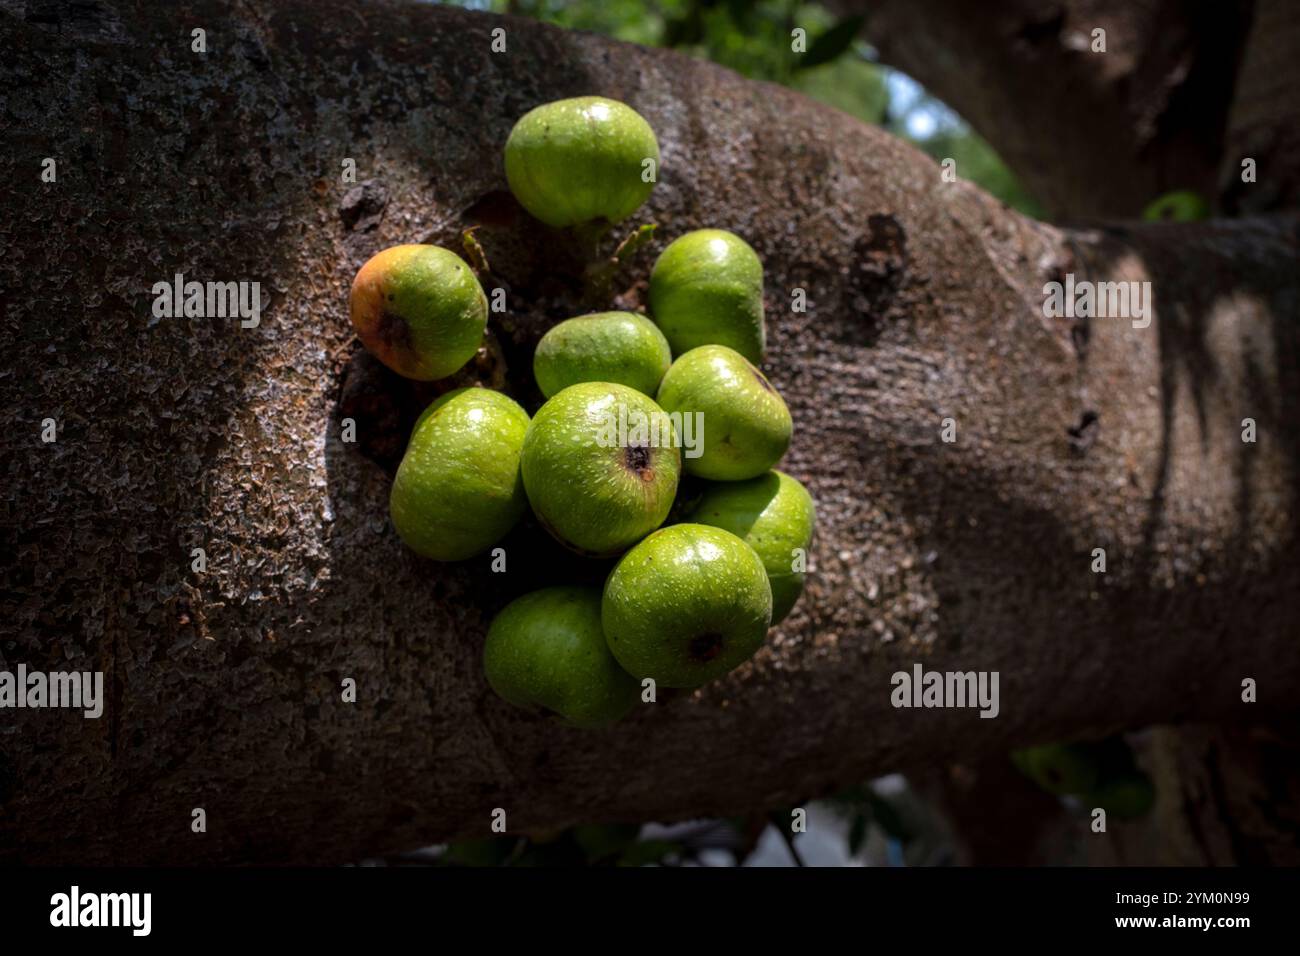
column 224, row 687
column 1181, row 97
column 1090, row 134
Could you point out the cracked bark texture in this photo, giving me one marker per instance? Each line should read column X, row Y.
column 925, row 304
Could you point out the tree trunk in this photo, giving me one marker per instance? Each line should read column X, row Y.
column 926, row 303
column 1092, row 132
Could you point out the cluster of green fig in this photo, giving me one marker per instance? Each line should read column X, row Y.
column 632, row 403
column 1100, row 773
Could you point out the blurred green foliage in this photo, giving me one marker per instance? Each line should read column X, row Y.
column 1101, row 773
column 977, row 163
column 587, row 845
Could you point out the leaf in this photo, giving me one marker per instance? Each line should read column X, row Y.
column 857, row 834
column 647, row 852
column 686, row 30
column 493, row 851
column 474, row 251
column 600, row 842
column 741, row 12
column 634, row 241
column 829, row 45
column 887, row 816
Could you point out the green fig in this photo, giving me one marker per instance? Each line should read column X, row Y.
column 1179, row 206
column 600, row 465
column 1060, row 768
column 579, row 160
column 774, row 515
column 619, row 347
column 546, row 649
column 746, row 425
column 419, row 310
column 686, row 605
column 458, row 489
column 706, row 288
column 1127, row 797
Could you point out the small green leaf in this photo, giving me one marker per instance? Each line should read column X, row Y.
column 494, row 851
column 829, row 45
column 887, row 816
column 741, row 13
column 600, row 842
column 474, row 251
column 857, row 834
column 646, row 852
column 634, row 241
column 685, row 30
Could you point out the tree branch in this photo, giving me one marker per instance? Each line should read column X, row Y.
column 1090, row 134
column 926, row 303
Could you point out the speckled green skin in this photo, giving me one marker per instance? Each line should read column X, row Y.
column 547, row 649
column 686, row 605
column 747, row 426
column 579, row 160
column 458, row 489
column 419, row 310
column 773, row 514
column 619, row 347
column 598, row 499
column 706, row 288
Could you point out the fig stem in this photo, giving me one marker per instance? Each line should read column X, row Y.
column 474, row 251
column 601, row 273
column 634, row 242
column 589, row 235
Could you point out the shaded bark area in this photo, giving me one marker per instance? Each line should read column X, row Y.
column 1090, row 134
column 926, row 304
column 1264, row 122
column 1228, row 796
column 1225, row 796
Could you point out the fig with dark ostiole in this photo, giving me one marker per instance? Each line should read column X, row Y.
column 600, row 465
column 686, row 605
